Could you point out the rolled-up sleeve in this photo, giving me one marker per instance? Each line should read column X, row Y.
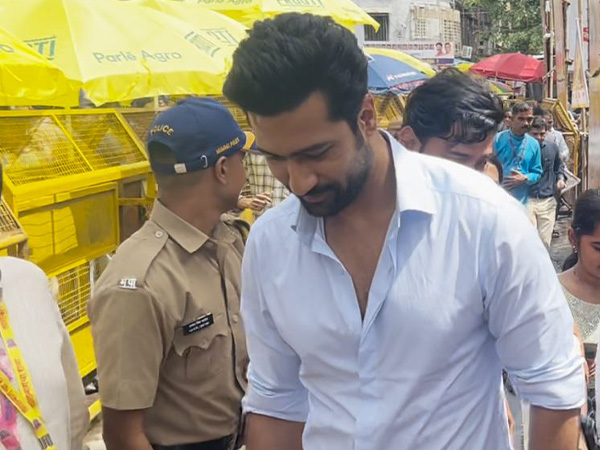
column 529, row 316
column 274, row 386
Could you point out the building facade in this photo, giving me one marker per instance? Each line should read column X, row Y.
column 429, row 29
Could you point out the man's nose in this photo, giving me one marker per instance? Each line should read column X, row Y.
column 301, row 179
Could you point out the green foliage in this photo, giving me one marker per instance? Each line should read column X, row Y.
column 516, row 26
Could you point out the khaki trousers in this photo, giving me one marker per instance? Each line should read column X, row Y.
column 542, row 213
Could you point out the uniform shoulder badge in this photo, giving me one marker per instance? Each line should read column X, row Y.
column 128, row 283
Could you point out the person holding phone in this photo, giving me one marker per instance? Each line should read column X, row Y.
column 519, row 153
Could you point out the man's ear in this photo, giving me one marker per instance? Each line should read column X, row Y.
column 367, row 117
column 407, row 137
column 221, row 169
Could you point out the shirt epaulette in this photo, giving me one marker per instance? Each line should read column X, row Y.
column 139, row 251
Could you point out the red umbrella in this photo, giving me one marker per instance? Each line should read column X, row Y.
column 511, row 66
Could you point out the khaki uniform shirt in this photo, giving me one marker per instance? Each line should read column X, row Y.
column 166, row 276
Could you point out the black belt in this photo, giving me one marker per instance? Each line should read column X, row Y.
column 224, row 443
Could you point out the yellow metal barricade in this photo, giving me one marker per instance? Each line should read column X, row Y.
column 570, row 131
column 74, row 181
column 139, row 120
column 12, row 236
column 390, row 108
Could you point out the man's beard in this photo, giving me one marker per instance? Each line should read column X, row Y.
column 342, row 196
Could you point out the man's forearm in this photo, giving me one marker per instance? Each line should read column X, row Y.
column 268, row 433
column 123, row 430
column 553, row 429
column 134, row 442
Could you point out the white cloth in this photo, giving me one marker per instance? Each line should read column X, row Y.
column 48, row 353
column 463, row 287
column 557, row 137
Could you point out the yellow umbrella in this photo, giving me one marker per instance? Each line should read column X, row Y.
column 206, row 23
column 26, row 78
column 121, row 51
column 464, row 66
column 247, row 12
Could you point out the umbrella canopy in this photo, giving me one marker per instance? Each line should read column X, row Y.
column 120, row 51
column 511, row 66
column 247, row 12
column 500, row 88
column 26, row 78
column 463, row 66
column 392, row 70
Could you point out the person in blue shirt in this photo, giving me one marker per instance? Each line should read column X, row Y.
column 519, row 153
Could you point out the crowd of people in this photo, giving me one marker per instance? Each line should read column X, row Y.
column 388, row 283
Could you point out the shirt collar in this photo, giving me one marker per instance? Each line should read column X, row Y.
column 186, row 235
column 514, row 136
column 413, row 189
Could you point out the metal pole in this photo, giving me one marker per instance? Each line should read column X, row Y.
column 546, row 40
column 593, row 160
column 562, row 89
column 552, row 52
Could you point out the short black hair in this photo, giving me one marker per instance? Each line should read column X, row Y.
column 440, row 44
column 539, row 123
column 286, row 59
column 452, row 105
column 520, row 107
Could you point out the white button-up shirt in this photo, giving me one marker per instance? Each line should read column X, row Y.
column 463, row 288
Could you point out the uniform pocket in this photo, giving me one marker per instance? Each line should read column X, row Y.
column 206, row 352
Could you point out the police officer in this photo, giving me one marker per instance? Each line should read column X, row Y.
column 165, row 315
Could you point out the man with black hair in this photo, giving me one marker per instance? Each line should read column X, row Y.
column 382, row 299
column 519, row 153
column 553, row 135
column 168, row 336
column 453, row 117
column 542, row 195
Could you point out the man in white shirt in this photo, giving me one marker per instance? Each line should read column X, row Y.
column 382, row 300
column 46, row 349
column 555, row 136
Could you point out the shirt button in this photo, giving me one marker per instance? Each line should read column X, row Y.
column 159, row 234
column 235, row 318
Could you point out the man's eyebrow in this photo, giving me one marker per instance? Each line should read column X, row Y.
column 461, row 154
column 312, row 148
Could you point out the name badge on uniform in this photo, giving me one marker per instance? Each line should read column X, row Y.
column 200, row 323
column 128, row 283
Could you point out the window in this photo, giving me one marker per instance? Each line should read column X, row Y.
column 451, row 31
column 421, row 28
column 384, row 28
